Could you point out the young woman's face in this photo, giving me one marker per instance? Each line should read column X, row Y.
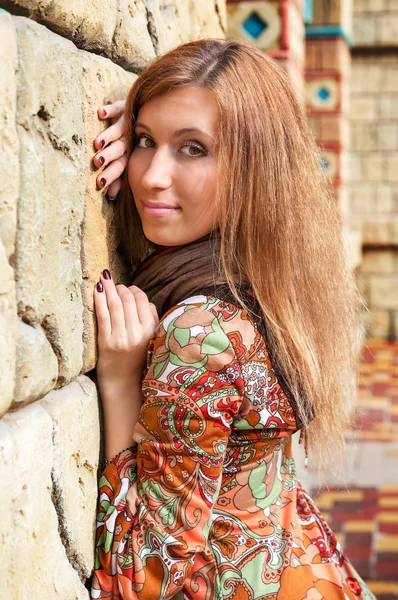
column 172, row 169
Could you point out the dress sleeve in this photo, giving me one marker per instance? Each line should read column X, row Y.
column 192, row 390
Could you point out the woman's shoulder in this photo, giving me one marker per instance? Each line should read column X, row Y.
column 208, row 316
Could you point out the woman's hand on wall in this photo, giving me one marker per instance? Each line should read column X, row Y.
column 111, row 146
column 126, row 322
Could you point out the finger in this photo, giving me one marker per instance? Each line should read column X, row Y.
column 144, row 311
column 110, row 111
column 102, row 314
column 111, row 134
column 112, row 152
column 112, row 172
column 114, row 189
column 129, row 307
column 154, row 313
column 114, row 303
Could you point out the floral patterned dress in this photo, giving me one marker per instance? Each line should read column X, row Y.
column 221, row 513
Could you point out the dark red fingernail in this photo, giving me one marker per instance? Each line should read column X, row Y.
column 104, row 112
column 106, row 274
column 102, row 143
column 102, row 182
column 100, row 287
column 101, row 160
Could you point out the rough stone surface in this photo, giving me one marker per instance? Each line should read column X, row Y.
column 130, row 32
column 75, row 436
column 103, row 82
column 37, row 365
column 56, row 235
column 133, row 42
column 117, row 29
column 9, row 184
column 34, row 562
column 50, row 129
column 383, row 291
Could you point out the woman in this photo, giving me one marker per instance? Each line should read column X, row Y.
column 240, row 329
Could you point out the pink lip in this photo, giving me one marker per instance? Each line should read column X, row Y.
column 158, row 209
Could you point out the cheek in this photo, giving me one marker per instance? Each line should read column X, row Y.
column 200, row 188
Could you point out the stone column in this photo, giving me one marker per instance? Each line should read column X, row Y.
column 275, row 26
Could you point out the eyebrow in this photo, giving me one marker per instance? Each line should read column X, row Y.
column 178, row 132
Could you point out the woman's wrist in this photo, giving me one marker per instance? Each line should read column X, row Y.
column 121, row 402
column 114, row 386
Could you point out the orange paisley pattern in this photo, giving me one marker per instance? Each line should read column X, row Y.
column 220, row 511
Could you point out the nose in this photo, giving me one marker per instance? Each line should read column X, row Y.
column 158, row 173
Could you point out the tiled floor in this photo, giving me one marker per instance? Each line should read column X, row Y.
column 364, row 515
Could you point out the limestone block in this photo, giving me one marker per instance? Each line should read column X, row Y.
column 363, row 136
column 9, row 147
column 385, row 198
column 392, row 167
column 169, row 25
column 379, row 324
column 378, row 261
column 363, row 107
column 366, row 136
column 134, row 42
column 394, row 228
column 34, row 563
column 387, row 28
column 37, row 365
column 388, row 106
column 375, row 77
column 361, row 197
column 102, row 82
column 383, row 291
column 207, row 19
column 387, row 136
column 377, row 232
column 354, row 167
column 9, row 189
column 75, row 434
column 358, row 80
column 391, row 78
column 118, row 30
column 51, row 135
column 364, row 30
column 373, row 165
column 173, row 23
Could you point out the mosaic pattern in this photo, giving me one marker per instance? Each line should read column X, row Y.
column 257, row 22
column 322, row 94
column 365, row 517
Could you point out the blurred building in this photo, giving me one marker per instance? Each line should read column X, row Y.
column 342, row 58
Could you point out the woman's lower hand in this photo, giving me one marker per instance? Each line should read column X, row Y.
column 112, row 149
column 126, row 322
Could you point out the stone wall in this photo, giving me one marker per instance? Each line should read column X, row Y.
column 373, row 171
column 61, row 60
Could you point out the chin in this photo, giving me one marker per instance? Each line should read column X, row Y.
column 162, row 238
column 169, row 238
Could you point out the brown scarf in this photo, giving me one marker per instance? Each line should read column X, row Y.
column 171, row 274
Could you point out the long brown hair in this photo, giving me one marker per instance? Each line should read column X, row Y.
column 278, row 221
